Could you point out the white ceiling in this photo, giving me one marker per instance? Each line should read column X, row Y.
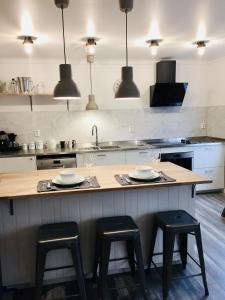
column 178, row 22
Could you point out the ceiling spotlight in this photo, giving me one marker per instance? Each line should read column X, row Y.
column 91, row 46
column 154, row 44
column 201, row 46
column 28, row 42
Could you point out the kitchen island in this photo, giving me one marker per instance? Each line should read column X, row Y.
column 23, row 210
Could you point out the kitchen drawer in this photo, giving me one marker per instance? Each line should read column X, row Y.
column 215, row 174
column 101, row 158
column 208, row 156
column 141, row 156
column 18, row 164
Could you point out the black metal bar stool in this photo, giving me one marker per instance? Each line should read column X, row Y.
column 59, row 236
column 180, row 223
column 111, row 229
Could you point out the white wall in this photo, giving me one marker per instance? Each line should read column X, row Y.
column 216, row 104
column 114, row 117
column 105, row 74
column 217, row 83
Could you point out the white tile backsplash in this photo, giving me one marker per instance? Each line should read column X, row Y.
column 112, row 124
column 216, row 121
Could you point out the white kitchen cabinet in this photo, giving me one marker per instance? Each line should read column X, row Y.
column 215, row 174
column 208, row 156
column 18, row 164
column 101, row 158
column 208, row 161
column 141, row 156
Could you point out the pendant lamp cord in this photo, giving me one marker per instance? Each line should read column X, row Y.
column 64, row 42
column 91, row 78
column 126, row 42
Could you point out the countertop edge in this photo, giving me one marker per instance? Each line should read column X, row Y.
column 99, row 190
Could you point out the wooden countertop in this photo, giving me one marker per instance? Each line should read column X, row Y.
column 24, row 184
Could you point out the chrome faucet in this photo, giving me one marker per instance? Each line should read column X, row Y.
column 95, row 128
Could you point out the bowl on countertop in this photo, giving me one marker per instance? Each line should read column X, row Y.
column 68, row 177
column 144, row 172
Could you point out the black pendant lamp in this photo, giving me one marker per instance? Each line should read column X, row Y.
column 66, row 89
column 127, row 88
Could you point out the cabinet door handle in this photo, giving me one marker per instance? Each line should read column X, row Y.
column 143, row 152
column 101, row 155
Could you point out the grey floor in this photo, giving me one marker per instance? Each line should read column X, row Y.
column 209, row 208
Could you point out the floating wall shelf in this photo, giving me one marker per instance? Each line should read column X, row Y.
column 30, row 95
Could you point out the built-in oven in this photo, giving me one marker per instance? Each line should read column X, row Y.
column 183, row 159
column 56, row 161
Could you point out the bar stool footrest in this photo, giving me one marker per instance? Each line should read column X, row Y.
column 178, row 277
column 59, row 268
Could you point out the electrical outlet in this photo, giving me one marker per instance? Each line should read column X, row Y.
column 37, row 133
column 131, row 129
column 203, row 125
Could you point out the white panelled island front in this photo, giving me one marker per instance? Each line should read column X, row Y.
column 31, row 209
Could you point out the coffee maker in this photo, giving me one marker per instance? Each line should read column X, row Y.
column 8, row 142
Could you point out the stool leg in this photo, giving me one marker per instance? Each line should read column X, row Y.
column 140, row 264
column 168, row 246
column 1, row 284
column 152, row 244
column 103, row 268
column 77, row 260
column 130, row 252
column 40, row 267
column 96, row 258
column 198, row 238
column 183, row 238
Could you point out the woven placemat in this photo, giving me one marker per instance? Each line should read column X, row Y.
column 124, row 179
column 48, row 186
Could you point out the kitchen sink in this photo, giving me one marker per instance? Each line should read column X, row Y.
column 109, row 147
column 89, row 148
column 136, row 143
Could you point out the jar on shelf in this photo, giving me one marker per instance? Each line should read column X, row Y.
column 14, row 88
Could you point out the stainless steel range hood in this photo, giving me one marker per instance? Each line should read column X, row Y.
column 166, row 91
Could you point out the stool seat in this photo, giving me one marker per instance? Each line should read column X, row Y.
column 175, row 218
column 58, row 232
column 116, row 225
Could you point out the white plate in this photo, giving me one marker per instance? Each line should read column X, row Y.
column 76, row 180
column 134, row 175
